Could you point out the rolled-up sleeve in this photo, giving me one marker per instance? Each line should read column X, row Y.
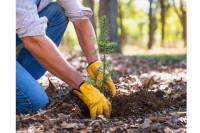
column 28, row 22
column 74, row 10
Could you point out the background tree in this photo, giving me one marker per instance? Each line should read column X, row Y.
column 123, row 36
column 181, row 12
column 151, row 23
column 109, row 8
column 133, row 25
column 163, row 6
column 150, row 26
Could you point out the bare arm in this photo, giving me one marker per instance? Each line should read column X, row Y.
column 86, row 34
column 44, row 50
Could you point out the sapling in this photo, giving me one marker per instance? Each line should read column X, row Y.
column 105, row 47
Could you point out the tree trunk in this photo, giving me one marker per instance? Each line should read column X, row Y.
column 103, row 8
column 183, row 19
column 90, row 4
column 109, row 8
column 123, row 32
column 113, row 24
column 150, row 43
column 184, row 23
column 163, row 10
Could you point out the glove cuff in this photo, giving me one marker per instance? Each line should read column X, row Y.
column 94, row 63
column 81, row 84
column 86, row 86
column 78, row 89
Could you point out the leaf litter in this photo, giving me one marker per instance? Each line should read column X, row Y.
column 151, row 97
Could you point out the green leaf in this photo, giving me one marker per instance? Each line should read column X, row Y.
column 90, row 80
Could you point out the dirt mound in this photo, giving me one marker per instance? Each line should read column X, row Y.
column 137, row 104
column 141, row 103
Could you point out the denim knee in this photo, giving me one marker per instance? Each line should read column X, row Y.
column 30, row 96
column 26, row 104
column 41, row 103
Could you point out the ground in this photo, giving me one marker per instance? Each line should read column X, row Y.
column 151, row 97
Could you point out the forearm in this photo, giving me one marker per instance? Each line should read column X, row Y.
column 46, row 53
column 86, row 36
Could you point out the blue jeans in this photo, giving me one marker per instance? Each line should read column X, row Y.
column 30, row 96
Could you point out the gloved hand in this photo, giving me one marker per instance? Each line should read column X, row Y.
column 94, row 71
column 96, row 101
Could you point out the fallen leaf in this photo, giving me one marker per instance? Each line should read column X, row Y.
column 51, row 90
column 69, row 125
column 146, row 123
column 32, row 129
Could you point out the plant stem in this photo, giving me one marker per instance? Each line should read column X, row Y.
column 104, row 69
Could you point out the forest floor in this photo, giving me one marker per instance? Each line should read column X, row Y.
column 151, row 98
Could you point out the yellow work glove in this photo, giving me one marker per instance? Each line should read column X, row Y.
column 94, row 71
column 95, row 101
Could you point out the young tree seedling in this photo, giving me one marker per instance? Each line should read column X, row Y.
column 105, row 47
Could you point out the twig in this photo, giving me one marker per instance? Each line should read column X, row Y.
column 180, row 114
column 160, row 118
column 38, row 114
column 165, row 118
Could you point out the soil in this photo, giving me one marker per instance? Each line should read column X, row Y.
column 150, row 98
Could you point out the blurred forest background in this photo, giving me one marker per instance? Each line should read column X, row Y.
column 138, row 26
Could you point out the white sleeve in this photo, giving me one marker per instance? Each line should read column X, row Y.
column 74, row 10
column 28, row 22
